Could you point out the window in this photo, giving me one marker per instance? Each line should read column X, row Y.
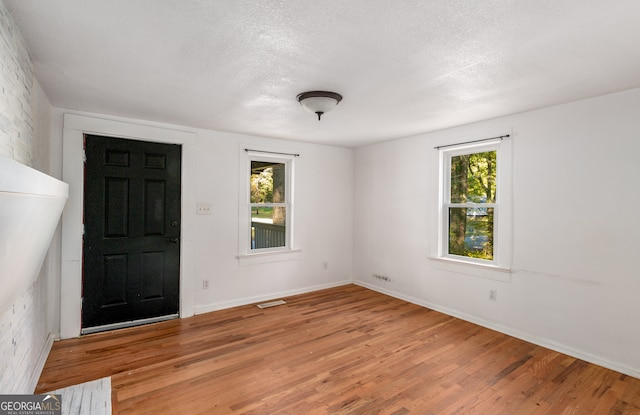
column 266, row 207
column 268, row 204
column 471, row 204
column 475, row 204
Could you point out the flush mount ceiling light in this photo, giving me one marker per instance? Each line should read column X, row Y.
column 319, row 102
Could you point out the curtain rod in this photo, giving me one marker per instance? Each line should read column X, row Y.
column 473, row 141
column 273, row 152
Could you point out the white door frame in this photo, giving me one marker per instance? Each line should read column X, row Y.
column 75, row 127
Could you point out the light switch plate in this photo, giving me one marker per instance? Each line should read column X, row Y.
column 203, row 209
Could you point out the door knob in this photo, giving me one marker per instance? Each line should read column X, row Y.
column 173, row 239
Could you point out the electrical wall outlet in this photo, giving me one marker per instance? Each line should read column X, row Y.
column 203, row 208
column 493, row 295
column 205, row 284
column 382, row 277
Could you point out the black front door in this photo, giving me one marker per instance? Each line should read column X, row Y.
column 131, row 251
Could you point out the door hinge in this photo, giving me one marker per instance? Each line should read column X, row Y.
column 84, row 156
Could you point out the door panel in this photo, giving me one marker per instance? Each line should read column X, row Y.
column 132, row 231
column 117, row 213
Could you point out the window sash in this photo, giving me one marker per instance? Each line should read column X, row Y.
column 447, row 239
column 265, row 236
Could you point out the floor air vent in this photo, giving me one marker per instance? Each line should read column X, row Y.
column 271, row 304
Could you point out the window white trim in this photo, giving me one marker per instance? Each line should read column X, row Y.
column 247, row 255
column 471, row 268
column 500, row 267
column 268, row 256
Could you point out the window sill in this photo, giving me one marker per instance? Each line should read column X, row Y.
column 491, row 272
column 272, row 256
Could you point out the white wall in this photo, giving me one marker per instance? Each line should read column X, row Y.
column 574, row 283
column 322, row 222
column 323, row 218
column 25, row 329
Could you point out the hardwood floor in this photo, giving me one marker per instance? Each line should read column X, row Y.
column 345, row 350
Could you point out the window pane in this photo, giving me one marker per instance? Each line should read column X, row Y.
column 267, row 182
column 268, row 227
column 471, row 232
column 473, row 178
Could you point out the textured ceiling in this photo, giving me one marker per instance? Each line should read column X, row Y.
column 403, row 67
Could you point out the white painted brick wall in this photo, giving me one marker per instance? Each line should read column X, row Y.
column 16, row 84
column 22, row 340
column 24, row 335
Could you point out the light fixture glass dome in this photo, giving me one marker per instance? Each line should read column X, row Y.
column 319, row 102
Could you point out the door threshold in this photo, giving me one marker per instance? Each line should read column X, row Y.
column 125, row 324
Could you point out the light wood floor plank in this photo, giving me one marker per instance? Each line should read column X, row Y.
column 345, row 350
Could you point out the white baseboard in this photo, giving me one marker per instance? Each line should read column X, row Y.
column 547, row 343
column 206, row 308
column 42, row 359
